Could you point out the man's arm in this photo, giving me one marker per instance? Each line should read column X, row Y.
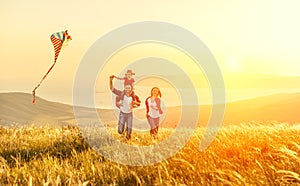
column 111, row 86
column 118, row 101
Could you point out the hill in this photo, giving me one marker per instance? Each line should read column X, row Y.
column 278, row 107
column 17, row 108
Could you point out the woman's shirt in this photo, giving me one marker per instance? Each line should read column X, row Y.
column 153, row 113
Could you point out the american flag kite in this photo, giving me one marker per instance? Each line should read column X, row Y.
column 58, row 40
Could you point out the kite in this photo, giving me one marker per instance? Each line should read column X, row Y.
column 58, row 39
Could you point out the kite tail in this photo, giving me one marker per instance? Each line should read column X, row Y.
column 33, row 92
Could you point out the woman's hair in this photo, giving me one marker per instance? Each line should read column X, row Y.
column 159, row 93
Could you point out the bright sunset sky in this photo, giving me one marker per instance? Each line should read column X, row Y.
column 256, row 43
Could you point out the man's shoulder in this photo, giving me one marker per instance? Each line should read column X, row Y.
column 116, row 91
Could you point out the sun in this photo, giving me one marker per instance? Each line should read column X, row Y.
column 233, row 65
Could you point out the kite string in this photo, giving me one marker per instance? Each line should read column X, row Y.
column 58, row 40
column 33, row 92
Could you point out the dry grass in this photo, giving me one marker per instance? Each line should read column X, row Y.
column 248, row 154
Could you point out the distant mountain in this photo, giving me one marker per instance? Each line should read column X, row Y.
column 277, row 107
column 17, row 108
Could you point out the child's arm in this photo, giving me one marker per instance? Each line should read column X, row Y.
column 119, row 78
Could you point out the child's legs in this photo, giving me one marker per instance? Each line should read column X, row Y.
column 133, row 96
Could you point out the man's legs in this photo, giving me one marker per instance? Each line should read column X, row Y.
column 125, row 118
column 129, row 125
column 121, row 123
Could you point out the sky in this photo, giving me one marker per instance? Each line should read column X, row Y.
column 255, row 43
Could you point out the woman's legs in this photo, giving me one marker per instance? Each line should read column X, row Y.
column 153, row 122
column 156, row 123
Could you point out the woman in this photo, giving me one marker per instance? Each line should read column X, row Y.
column 153, row 110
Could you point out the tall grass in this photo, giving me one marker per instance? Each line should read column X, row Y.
column 245, row 154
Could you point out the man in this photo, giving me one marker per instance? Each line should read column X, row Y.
column 125, row 106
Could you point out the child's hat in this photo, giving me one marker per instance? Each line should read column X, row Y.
column 130, row 71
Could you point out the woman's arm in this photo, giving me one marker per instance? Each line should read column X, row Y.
column 157, row 100
column 147, row 107
column 154, row 107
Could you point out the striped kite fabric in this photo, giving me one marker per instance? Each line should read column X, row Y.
column 57, row 40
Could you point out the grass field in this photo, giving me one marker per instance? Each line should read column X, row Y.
column 245, row 154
